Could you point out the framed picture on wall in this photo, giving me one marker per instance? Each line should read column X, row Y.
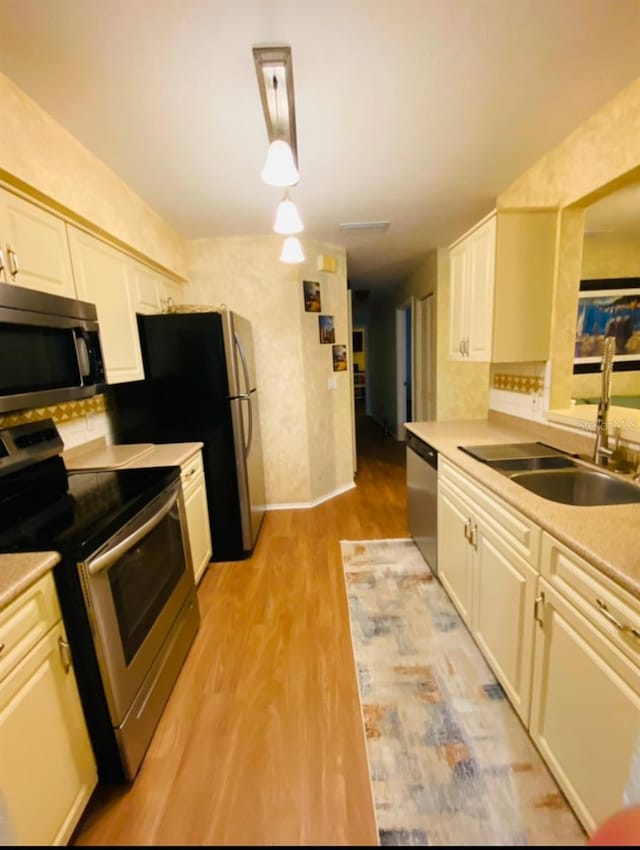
column 327, row 330
column 311, row 290
column 607, row 307
column 339, row 353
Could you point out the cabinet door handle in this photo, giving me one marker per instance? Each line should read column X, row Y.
column 2, row 263
column 473, row 536
column 622, row 627
column 466, row 346
column 1, row 648
column 190, row 474
column 14, row 266
column 467, row 530
column 460, row 347
column 539, row 603
column 65, row 654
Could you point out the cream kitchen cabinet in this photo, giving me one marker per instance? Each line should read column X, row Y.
column 501, row 279
column 105, row 277
column 471, row 306
column 585, row 707
column 47, row 767
column 195, row 509
column 487, row 554
column 152, row 290
column 34, row 248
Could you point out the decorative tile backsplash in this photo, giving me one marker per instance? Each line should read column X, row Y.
column 65, row 412
column 518, row 383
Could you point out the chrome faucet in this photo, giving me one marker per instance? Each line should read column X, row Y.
column 601, row 450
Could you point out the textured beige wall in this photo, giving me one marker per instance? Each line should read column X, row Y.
column 599, row 152
column 306, row 426
column 39, row 152
column 605, row 256
column 463, row 388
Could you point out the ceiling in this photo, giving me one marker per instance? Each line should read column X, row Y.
column 415, row 111
column 617, row 214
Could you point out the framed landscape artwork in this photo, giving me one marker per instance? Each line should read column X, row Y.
column 327, row 330
column 608, row 307
column 311, row 290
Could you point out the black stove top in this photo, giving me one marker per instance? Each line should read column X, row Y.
column 43, row 507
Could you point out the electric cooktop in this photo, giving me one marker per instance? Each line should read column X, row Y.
column 45, row 508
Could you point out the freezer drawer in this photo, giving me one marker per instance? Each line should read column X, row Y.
column 422, row 498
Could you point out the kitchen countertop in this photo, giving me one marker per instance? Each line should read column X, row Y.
column 605, row 535
column 97, row 455
column 20, row 571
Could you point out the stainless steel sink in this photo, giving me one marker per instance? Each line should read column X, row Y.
column 578, row 486
column 520, row 464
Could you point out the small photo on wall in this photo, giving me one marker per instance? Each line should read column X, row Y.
column 311, row 296
column 327, row 330
column 339, row 358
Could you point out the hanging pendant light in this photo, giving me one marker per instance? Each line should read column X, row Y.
column 292, row 251
column 279, row 168
column 288, row 219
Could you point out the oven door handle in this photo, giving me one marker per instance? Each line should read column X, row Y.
column 114, row 553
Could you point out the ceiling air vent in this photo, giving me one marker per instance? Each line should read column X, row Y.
column 365, row 225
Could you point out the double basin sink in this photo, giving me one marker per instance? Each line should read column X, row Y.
column 555, row 475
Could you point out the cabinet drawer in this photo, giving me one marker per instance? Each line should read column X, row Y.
column 191, row 470
column 520, row 533
column 24, row 621
column 610, row 608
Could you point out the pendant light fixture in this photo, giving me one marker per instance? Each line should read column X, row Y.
column 275, row 80
column 292, row 251
column 288, row 219
column 279, row 168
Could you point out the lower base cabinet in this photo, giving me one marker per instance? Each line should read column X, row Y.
column 504, row 593
column 196, row 514
column 47, row 767
column 492, row 586
column 561, row 638
column 585, row 709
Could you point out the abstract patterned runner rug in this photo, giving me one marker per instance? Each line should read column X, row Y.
column 450, row 762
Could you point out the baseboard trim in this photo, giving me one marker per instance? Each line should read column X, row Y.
column 288, row 506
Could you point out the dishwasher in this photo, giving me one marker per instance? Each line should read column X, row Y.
column 422, row 497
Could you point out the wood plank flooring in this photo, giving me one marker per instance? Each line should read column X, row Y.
column 262, row 741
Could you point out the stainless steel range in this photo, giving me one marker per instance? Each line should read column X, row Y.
column 126, row 591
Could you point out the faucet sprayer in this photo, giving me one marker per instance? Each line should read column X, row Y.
column 601, row 450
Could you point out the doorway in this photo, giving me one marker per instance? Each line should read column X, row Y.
column 405, row 372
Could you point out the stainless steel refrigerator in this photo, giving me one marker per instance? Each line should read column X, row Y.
column 200, row 385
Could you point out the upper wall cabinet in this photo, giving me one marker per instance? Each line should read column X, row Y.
column 501, row 280
column 105, row 277
column 152, row 290
column 472, row 281
column 35, row 252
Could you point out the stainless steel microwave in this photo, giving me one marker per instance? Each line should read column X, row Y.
column 49, row 349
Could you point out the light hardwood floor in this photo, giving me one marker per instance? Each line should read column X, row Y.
column 262, row 740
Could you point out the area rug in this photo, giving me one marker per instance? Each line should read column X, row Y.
column 450, row 762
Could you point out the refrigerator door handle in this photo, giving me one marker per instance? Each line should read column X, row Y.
column 243, row 360
column 247, row 448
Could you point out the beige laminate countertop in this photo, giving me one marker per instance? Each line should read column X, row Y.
column 20, row 571
column 97, row 455
column 608, row 536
